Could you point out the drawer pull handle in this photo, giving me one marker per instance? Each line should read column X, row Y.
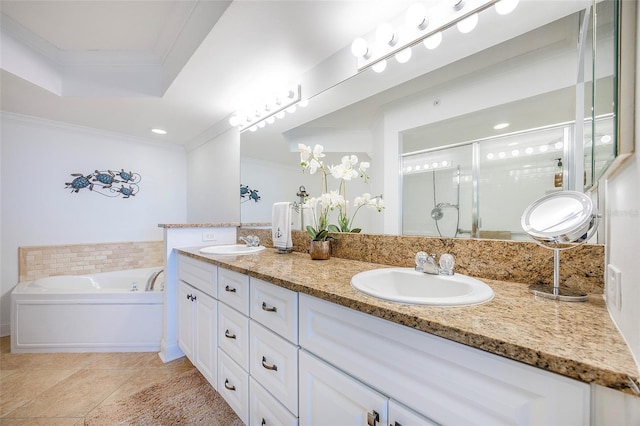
column 396, row 424
column 268, row 308
column 228, row 335
column 193, row 298
column 263, row 422
column 372, row 418
column 188, row 297
column 272, row 367
column 228, row 386
column 229, row 289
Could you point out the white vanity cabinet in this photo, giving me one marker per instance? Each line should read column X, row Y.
column 198, row 315
column 441, row 380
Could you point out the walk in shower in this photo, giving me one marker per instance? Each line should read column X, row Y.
column 480, row 188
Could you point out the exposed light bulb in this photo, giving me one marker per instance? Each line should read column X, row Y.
column 490, row 156
column 234, row 121
column 433, row 41
column 379, row 66
column 291, row 109
column 404, row 55
column 359, row 48
column 502, row 154
column 515, row 152
column 529, row 151
column 559, row 145
column 280, row 114
column 253, row 128
column 262, row 124
column 505, row 7
column 468, row 24
column 271, row 119
column 416, row 16
column 159, row 131
column 606, row 139
column 385, row 35
column 303, row 103
column 543, row 148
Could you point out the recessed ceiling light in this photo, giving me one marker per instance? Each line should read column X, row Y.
column 159, row 131
column 501, row 126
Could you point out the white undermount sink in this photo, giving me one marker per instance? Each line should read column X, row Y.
column 405, row 285
column 231, row 249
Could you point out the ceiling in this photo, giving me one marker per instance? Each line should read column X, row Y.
column 183, row 66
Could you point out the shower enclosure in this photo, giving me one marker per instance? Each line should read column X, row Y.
column 480, row 188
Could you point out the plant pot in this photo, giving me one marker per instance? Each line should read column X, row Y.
column 320, row 250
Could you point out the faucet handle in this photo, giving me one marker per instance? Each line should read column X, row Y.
column 421, row 260
column 446, row 264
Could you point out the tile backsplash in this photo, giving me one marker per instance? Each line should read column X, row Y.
column 581, row 268
column 44, row 261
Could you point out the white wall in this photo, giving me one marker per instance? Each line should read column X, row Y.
column 37, row 158
column 213, row 182
column 623, row 233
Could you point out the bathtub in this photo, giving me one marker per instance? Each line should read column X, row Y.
column 104, row 312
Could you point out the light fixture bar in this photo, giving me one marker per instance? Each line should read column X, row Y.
column 440, row 18
column 291, row 98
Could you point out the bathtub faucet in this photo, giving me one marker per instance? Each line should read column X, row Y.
column 152, row 280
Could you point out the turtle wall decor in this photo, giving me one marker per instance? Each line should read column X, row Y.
column 105, row 182
column 248, row 194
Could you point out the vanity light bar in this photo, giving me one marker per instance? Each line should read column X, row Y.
column 370, row 51
column 260, row 116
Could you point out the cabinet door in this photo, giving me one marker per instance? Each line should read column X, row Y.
column 330, row 397
column 205, row 337
column 233, row 385
column 185, row 319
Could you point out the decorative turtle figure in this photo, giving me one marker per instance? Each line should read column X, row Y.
column 81, row 181
column 107, row 179
column 127, row 192
column 244, row 191
column 125, row 176
column 254, row 195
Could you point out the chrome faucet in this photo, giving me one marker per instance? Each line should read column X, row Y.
column 151, row 281
column 427, row 264
column 251, row 240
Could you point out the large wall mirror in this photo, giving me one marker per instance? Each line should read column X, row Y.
column 435, row 155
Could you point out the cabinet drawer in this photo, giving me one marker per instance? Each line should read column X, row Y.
column 276, row 308
column 274, row 364
column 233, row 334
column 233, row 385
column 233, row 289
column 266, row 410
column 201, row 275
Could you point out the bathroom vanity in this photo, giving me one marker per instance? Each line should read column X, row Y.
column 296, row 344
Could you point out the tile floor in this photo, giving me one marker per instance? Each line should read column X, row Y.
column 62, row 388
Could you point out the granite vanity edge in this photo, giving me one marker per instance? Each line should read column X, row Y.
column 565, row 366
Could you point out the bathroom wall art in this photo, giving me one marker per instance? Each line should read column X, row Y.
column 109, row 183
column 248, row 194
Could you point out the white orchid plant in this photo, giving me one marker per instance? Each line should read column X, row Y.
column 335, row 200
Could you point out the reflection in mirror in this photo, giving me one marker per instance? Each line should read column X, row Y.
column 485, row 175
column 528, row 80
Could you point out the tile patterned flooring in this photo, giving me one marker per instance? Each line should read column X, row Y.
column 60, row 389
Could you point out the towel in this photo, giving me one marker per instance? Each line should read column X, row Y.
column 281, row 225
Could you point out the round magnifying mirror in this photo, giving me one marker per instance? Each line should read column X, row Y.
column 554, row 220
column 561, row 217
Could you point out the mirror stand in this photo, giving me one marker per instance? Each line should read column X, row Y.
column 554, row 291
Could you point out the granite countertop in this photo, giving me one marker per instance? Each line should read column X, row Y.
column 200, row 225
column 577, row 340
